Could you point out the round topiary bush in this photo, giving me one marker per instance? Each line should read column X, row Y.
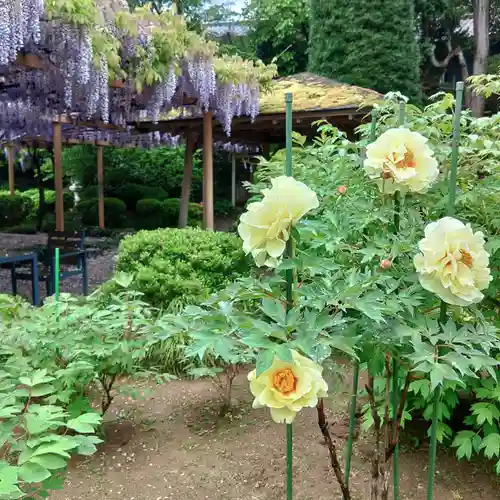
column 132, row 193
column 154, row 214
column 13, row 209
column 114, row 212
column 150, row 214
column 181, row 264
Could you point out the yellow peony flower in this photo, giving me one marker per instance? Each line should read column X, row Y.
column 401, row 160
column 453, row 263
column 265, row 226
column 286, row 388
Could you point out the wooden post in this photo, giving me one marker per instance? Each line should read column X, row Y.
column 208, row 173
column 186, row 180
column 233, row 180
column 58, row 175
column 10, row 157
column 100, row 184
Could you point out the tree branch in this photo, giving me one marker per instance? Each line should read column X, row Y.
column 323, row 425
column 397, row 419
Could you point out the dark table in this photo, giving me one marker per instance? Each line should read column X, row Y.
column 13, row 261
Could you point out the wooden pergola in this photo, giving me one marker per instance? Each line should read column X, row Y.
column 56, row 142
column 315, row 99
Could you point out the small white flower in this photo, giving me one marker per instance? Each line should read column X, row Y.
column 401, row 160
column 453, row 263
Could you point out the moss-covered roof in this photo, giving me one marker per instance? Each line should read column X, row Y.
column 313, row 93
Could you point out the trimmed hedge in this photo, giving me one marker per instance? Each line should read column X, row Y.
column 132, row 193
column 114, row 212
column 181, row 264
column 154, row 214
column 13, row 209
column 50, row 201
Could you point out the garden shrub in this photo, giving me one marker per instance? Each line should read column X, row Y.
column 72, row 222
column 150, row 213
column 223, row 207
column 54, row 359
column 114, row 212
column 50, row 201
column 13, row 209
column 181, row 264
column 154, row 214
column 131, row 193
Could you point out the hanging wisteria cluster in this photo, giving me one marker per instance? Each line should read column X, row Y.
column 19, row 25
column 77, row 76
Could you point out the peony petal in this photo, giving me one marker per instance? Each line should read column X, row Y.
column 283, row 415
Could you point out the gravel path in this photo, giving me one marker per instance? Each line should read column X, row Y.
column 100, row 264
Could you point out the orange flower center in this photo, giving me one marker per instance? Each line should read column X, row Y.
column 466, row 258
column 285, row 381
column 408, row 161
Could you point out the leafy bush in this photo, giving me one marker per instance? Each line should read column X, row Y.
column 181, row 264
column 38, row 433
column 150, row 213
column 114, row 212
column 72, row 222
column 50, row 201
column 154, row 214
column 223, row 207
column 13, row 209
column 131, row 193
column 53, row 360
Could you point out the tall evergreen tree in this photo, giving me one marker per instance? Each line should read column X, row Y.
column 370, row 43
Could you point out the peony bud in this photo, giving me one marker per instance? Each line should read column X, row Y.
column 342, row 189
column 385, row 264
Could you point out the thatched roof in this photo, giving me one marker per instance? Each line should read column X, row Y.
column 315, row 93
column 314, row 98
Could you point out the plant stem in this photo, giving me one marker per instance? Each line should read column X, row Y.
column 397, row 211
column 352, row 422
column 395, row 428
column 332, row 450
column 377, row 424
column 433, row 444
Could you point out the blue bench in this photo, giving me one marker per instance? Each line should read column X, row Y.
column 72, row 261
column 13, row 261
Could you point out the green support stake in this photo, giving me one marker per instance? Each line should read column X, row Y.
column 454, row 148
column 289, row 289
column 442, row 316
column 395, row 385
column 352, row 422
column 355, row 374
column 57, row 274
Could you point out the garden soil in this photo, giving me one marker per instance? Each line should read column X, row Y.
column 171, row 444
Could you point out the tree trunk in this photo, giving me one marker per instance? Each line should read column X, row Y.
column 482, row 42
column 465, row 75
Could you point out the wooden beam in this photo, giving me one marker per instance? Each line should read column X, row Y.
column 100, row 184
column 186, row 180
column 208, row 173
column 76, row 122
column 58, row 175
column 233, row 180
column 10, row 158
column 30, row 61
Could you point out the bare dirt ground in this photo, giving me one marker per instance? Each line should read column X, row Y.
column 171, row 445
